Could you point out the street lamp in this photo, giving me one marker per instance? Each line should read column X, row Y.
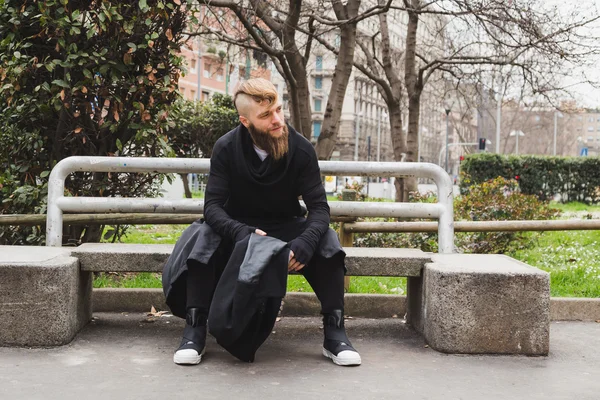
column 357, row 130
column 517, row 134
column 557, row 114
column 382, row 114
column 447, row 108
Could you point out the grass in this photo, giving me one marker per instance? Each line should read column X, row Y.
column 573, row 260
column 574, row 206
column 571, row 257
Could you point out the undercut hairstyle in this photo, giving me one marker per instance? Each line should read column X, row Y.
column 258, row 90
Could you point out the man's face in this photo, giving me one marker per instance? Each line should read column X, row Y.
column 266, row 118
column 268, row 129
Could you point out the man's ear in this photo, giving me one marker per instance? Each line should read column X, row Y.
column 244, row 121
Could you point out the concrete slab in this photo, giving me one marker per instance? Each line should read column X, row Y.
column 120, row 257
column 485, row 303
column 44, row 297
column 123, row 357
column 16, row 255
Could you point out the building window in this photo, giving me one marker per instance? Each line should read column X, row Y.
column 591, row 119
column 316, row 129
column 205, row 96
column 317, row 104
column 207, row 70
column 192, row 95
column 590, row 129
column 220, row 75
column 319, row 82
column 193, row 65
column 319, row 63
column 590, row 139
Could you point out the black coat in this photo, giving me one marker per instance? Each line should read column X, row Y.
column 253, row 280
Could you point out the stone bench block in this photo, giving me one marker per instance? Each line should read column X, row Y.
column 485, row 304
column 360, row 261
column 44, row 298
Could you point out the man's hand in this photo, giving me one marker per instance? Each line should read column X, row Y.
column 294, row 265
column 260, row 232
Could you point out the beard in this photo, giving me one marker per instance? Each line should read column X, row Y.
column 276, row 147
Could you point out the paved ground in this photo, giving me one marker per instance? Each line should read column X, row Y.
column 124, row 357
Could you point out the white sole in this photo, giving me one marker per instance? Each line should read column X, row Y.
column 351, row 358
column 185, row 358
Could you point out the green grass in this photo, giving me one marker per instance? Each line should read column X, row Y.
column 574, row 206
column 571, row 257
column 573, row 260
column 129, row 280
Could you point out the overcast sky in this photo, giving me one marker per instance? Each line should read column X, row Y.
column 586, row 94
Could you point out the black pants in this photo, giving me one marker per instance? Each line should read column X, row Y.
column 325, row 276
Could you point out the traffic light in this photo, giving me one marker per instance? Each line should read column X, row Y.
column 482, row 144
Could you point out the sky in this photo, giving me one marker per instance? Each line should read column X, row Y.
column 585, row 94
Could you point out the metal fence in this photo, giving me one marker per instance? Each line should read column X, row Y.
column 58, row 203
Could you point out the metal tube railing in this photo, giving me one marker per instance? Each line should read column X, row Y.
column 58, row 203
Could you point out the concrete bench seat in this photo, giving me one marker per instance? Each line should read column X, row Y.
column 460, row 303
column 119, row 257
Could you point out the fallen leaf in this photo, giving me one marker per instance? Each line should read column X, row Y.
column 426, row 346
column 169, row 34
column 78, row 129
column 279, row 319
column 83, row 90
column 62, row 94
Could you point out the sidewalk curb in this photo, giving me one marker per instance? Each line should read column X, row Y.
column 306, row 304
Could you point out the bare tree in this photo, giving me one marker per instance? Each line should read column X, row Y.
column 480, row 37
column 286, row 33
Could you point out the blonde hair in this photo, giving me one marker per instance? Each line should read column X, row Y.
column 259, row 90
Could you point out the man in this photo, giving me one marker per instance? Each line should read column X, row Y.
column 257, row 173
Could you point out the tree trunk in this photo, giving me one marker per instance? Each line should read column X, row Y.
column 186, row 186
column 414, row 87
column 398, row 144
column 339, row 83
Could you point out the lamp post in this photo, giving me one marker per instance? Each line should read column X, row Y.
column 557, row 114
column 517, row 134
column 447, row 109
column 357, row 131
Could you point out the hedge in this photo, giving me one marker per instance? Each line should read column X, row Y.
column 573, row 178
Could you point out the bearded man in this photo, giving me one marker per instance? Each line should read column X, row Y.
column 257, row 173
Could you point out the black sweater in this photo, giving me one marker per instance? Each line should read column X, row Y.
column 242, row 190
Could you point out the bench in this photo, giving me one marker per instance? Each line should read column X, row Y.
column 475, row 304
column 459, row 303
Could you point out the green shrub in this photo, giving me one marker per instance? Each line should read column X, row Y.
column 573, row 178
column 496, row 200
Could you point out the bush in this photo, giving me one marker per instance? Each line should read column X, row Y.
column 496, row 200
column 82, row 78
column 573, row 178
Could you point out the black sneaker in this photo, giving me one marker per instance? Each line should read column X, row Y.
column 336, row 345
column 193, row 343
